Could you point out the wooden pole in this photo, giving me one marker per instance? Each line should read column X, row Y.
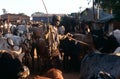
column 46, row 10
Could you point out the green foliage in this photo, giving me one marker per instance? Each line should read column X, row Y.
column 107, row 5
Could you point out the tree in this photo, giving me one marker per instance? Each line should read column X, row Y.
column 37, row 13
column 4, row 11
column 110, row 6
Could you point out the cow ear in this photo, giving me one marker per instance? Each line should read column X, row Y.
column 10, row 41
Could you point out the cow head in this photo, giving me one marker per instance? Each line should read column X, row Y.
column 11, row 66
column 102, row 75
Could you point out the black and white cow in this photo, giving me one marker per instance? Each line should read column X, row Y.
column 105, row 43
column 94, row 63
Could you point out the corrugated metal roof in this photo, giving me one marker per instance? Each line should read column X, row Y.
column 88, row 15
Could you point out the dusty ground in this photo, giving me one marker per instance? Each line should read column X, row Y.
column 66, row 75
column 72, row 75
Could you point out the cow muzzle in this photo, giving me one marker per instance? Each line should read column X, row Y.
column 24, row 73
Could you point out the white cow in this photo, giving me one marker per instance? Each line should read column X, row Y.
column 17, row 40
column 6, row 44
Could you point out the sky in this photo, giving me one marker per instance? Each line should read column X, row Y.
column 28, row 7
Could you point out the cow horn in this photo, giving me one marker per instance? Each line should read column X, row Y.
column 18, row 51
column 10, row 41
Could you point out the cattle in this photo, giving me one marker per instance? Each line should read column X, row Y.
column 74, row 50
column 7, row 44
column 20, row 30
column 24, row 42
column 11, row 66
column 39, row 42
column 94, row 63
column 46, row 56
column 105, row 43
column 52, row 73
column 102, row 75
column 43, row 57
column 17, row 40
column 86, row 38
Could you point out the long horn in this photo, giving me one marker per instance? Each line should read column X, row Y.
column 18, row 51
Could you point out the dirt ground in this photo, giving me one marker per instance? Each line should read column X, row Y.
column 72, row 75
column 66, row 75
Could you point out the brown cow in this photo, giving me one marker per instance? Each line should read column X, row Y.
column 52, row 73
column 39, row 43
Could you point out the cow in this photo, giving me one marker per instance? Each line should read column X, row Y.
column 102, row 41
column 95, row 62
column 105, row 43
column 43, row 57
column 102, row 75
column 24, row 42
column 39, row 42
column 52, row 73
column 17, row 40
column 20, row 30
column 8, row 44
column 74, row 50
column 43, row 42
column 11, row 66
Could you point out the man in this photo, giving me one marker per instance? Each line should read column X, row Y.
column 56, row 24
column 56, row 32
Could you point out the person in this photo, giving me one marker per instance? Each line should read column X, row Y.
column 56, row 32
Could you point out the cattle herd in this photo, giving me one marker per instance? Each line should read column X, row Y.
column 93, row 56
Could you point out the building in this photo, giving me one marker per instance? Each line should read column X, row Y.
column 38, row 16
column 89, row 15
column 15, row 17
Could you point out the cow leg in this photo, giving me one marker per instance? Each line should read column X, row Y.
column 66, row 63
column 39, row 61
column 28, row 60
column 32, row 56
